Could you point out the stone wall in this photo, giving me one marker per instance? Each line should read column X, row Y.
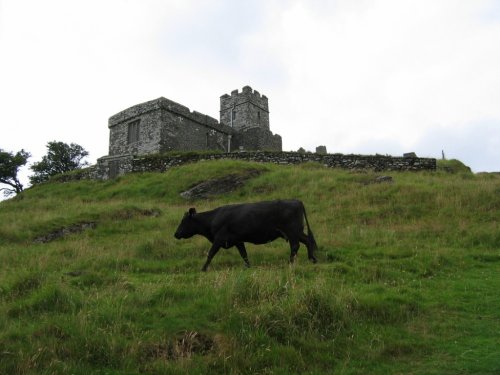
column 161, row 163
column 257, row 138
column 112, row 166
column 109, row 167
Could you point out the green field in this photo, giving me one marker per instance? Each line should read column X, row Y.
column 407, row 282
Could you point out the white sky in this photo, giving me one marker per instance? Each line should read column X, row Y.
column 359, row 76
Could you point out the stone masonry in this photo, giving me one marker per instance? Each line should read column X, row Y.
column 162, row 163
column 377, row 163
column 248, row 114
column 162, row 125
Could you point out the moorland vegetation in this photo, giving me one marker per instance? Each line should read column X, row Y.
column 93, row 281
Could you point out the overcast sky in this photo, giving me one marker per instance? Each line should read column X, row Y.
column 374, row 76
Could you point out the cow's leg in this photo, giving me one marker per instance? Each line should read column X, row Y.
column 211, row 253
column 243, row 253
column 310, row 248
column 294, row 247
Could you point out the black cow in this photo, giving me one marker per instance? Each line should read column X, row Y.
column 257, row 223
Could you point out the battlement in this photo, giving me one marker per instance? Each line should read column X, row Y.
column 247, row 95
column 244, row 110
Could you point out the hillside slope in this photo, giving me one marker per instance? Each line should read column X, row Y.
column 92, row 279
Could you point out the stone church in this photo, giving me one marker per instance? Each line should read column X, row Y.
column 162, row 125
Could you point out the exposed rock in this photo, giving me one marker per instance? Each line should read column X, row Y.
column 217, row 186
column 386, row 179
column 71, row 229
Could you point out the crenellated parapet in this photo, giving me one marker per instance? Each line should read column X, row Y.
column 245, row 110
column 247, row 95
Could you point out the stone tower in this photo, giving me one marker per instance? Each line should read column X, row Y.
column 244, row 110
column 248, row 114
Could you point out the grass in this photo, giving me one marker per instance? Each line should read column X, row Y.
column 407, row 279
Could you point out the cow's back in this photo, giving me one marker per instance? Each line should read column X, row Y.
column 259, row 222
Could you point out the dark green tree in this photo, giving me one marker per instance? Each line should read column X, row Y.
column 60, row 158
column 9, row 168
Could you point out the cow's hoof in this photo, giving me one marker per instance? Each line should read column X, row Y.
column 314, row 260
column 247, row 265
column 204, row 269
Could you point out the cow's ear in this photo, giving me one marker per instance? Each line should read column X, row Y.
column 192, row 211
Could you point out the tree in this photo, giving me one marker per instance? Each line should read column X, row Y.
column 60, row 158
column 9, row 168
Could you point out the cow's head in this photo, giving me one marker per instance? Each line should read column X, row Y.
column 187, row 227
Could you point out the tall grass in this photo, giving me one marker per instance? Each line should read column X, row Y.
column 406, row 281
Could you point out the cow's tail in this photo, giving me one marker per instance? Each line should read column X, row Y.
column 310, row 234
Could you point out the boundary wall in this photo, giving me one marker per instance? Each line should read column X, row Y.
column 161, row 163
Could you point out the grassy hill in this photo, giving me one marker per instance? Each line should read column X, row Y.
column 407, row 280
